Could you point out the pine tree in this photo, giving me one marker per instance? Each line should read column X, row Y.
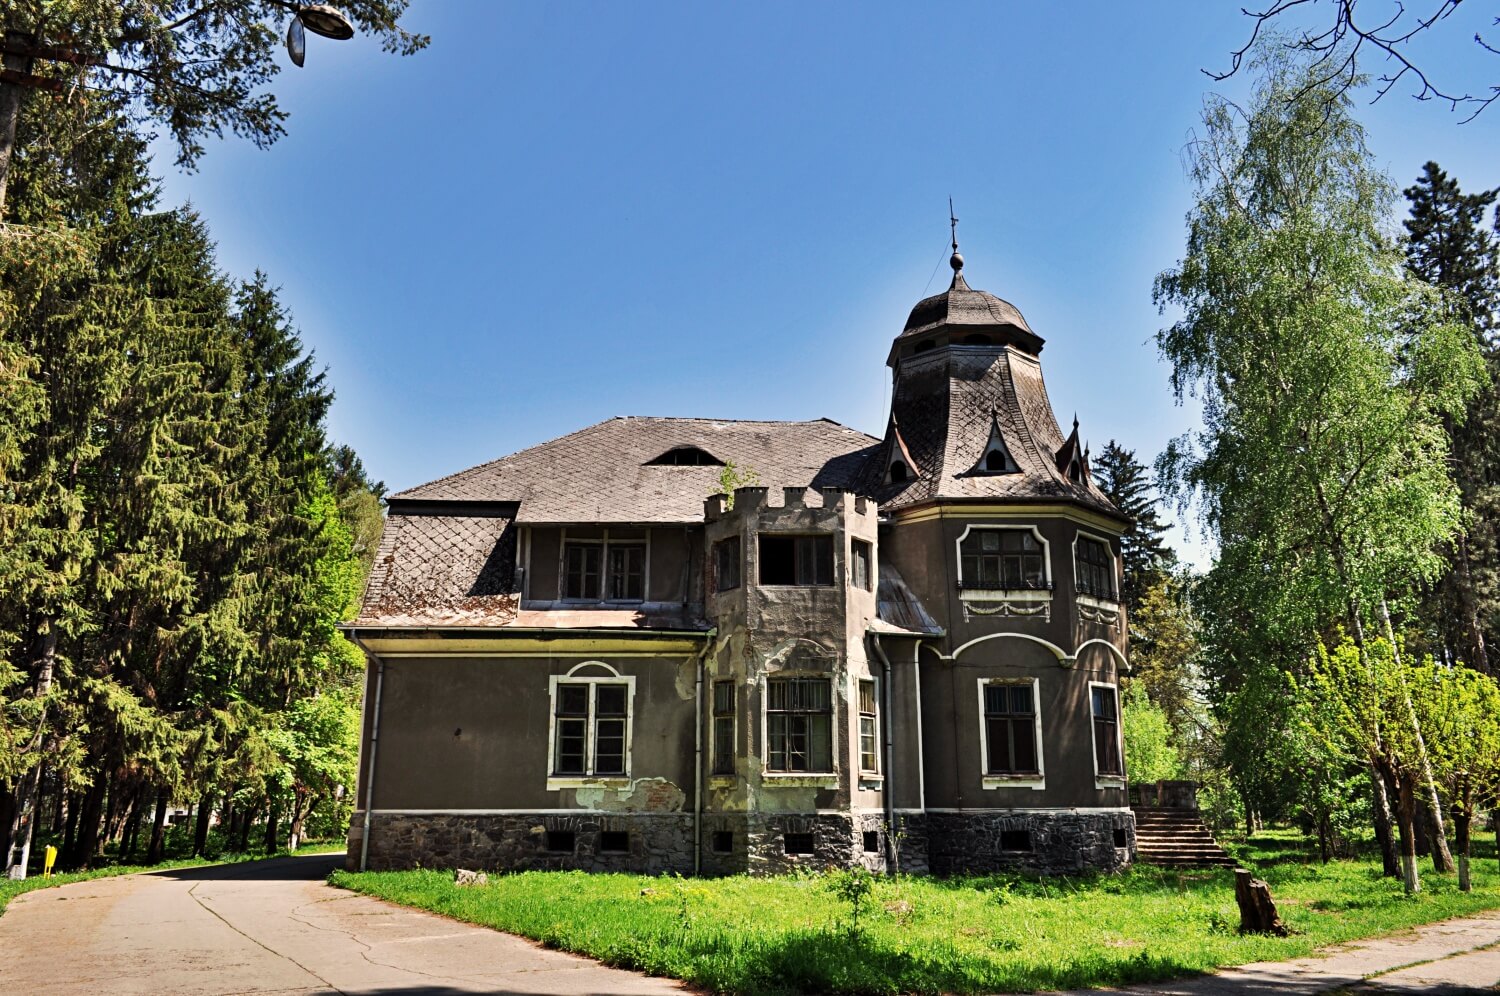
column 1450, row 247
column 1145, row 557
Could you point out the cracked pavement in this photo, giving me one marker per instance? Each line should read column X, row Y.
column 270, row 927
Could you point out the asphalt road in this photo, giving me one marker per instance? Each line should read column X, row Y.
column 269, row 927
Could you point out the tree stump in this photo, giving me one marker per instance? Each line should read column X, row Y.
column 1257, row 908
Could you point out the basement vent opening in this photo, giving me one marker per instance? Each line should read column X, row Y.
column 798, row 843
column 1015, row 840
column 686, row 456
column 562, row 840
column 614, row 841
column 872, row 842
column 723, row 841
column 1120, row 840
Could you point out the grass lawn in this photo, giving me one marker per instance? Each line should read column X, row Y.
column 981, row 934
column 11, row 888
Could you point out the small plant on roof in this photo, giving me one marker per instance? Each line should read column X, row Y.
column 732, row 477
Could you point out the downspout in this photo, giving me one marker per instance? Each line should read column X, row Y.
column 708, row 645
column 888, row 789
column 364, row 846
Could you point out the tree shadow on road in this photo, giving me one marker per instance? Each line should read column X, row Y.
column 290, row 868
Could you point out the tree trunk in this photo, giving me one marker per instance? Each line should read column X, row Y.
column 273, row 823
column 1381, row 806
column 299, row 813
column 11, row 95
column 1325, row 849
column 159, row 828
column 89, row 814
column 1257, row 909
column 132, row 826
column 1478, row 655
column 200, row 829
column 23, row 819
column 1406, row 809
column 70, row 823
column 1461, row 821
column 247, row 821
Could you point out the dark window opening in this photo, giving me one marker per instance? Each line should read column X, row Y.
column 614, row 841
column 923, row 347
column 723, row 728
column 727, row 564
column 612, row 571
column 872, row 842
column 799, row 724
column 562, row 840
column 1120, row 839
column 723, row 841
column 686, row 456
column 898, row 472
column 798, row 843
column 862, row 563
column 1106, row 710
column 1015, row 840
column 1010, row 729
column 995, row 460
column 1002, row 559
column 804, row 561
column 1096, row 569
column 578, row 706
column 978, row 340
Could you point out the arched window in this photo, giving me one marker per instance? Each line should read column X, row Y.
column 899, row 473
column 995, row 460
column 1096, row 568
column 1002, row 559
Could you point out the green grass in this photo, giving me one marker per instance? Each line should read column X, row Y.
column 981, row 934
column 11, row 888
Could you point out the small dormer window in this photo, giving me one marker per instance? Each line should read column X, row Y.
column 994, row 462
column 686, row 456
column 899, row 472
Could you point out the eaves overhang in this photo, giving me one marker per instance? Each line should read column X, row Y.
column 498, row 641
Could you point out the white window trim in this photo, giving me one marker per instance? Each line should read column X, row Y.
column 556, row 781
column 865, row 774
column 1035, row 782
column 603, row 542
column 1044, row 595
column 1107, row 781
column 789, row 779
column 1094, row 601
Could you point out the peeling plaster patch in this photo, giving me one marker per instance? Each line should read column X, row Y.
column 686, row 678
column 651, row 795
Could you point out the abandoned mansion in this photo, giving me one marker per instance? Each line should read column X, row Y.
column 696, row 645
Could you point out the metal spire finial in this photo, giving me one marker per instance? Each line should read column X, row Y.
column 956, row 261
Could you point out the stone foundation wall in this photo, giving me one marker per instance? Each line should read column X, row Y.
column 1051, row 843
column 754, row 843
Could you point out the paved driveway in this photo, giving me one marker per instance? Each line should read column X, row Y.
column 269, row 927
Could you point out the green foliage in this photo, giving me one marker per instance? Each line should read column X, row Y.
column 1150, row 755
column 732, row 477
column 854, row 886
column 923, row 935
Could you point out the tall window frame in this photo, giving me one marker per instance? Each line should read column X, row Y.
column 1095, row 570
column 723, row 727
column 1004, row 558
column 590, row 724
column 1010, row 733
column 1107, row 735
column 799, row 711
column 867, row 703
column 862, row 564
column 605, row 568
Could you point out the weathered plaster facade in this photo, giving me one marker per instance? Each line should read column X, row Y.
column 889, row 652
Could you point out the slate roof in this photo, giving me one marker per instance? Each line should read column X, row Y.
column 601, row 473
column 442, row 570
column 961, row 309
column 947, row 403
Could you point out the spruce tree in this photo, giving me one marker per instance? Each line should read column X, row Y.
column 1449, row 246
column 1145, row 557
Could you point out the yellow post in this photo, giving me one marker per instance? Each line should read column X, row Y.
column 49, row 861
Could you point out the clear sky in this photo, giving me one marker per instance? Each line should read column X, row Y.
column 564, row 212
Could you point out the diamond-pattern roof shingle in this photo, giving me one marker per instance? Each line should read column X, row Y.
column 442, row 570
column 601, row 473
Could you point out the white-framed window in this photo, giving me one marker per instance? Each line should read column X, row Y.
column 723, row 719
column 1010, row 733
column 590, row 723
column 1094, row 571
column 1003, row 558
column 609, row 568
column 799, row 725
column 1109, row 750
column 868, row 692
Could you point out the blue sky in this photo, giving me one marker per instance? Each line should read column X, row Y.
column 564, row 212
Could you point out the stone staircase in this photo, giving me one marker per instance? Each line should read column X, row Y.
column 1176, row 838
